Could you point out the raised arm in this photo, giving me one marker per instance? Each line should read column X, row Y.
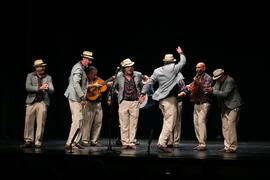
column 182, row 61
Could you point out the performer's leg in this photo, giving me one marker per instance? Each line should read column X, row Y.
column 133, row 121
column 77, row 121
column 41, row 114
column 124, row 121
column 97, row 123
column 30, row 116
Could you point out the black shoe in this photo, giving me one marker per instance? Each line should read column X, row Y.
column 118, row 142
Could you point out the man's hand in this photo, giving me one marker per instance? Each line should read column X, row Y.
column 208, row 90
column 109, row 84
column 179, row 50
column 44, row 87
column 109, row 102
column 181, row 94
column 83, row 103
column 94, row 85
column 142, row 98
column 189, row 87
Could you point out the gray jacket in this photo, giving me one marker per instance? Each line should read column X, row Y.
column 167, row 77
column 78, row 83
column 228, row 94
column 119, row 84
column 32, row 88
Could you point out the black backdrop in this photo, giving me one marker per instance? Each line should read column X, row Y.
column 229, row 36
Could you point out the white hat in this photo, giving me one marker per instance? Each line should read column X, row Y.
column 127, row 63
column 38, row 63
column 169, row 58
column 87, row 54
column 218, row 73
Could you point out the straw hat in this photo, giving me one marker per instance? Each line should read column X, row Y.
column 217, row 73
column 169, row 58
column 38, row 63
column 87, row 54
column 127, row 63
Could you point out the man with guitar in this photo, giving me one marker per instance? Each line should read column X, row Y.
column 202, row 102
column 93, row 113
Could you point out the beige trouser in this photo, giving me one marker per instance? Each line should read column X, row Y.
column 128, row 118
column 199, row 120
column 92, row 123
column 38, row 112
column 169, row 109
column 229, row 121
column 77, row 121
column 176, row 133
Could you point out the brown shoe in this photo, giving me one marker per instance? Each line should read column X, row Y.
column 230, row 151
column 96, row 144
column 164, row 149
column 72, row 147
column 222, row 150
column 124, row 147
column 201, row 148
column 26, row 145
column 79, row 146
column 85, row 144
column 37, row 146
column 132, row 147
column 176, row 145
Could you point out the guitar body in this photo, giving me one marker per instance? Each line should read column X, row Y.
column 94, row 92
column 194, row 92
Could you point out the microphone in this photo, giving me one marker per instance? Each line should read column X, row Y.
column 117, row 69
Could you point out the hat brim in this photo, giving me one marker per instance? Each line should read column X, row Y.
column 165, row 60
column 89, row 57
column 128, row 65
column 40, row 65
column 217, row 77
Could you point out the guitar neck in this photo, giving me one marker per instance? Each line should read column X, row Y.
column 105, row 82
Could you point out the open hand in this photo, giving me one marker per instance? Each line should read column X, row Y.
column 179, row 50
column 142, row 98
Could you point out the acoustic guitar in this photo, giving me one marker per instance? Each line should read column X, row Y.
column 94, row 92
column 195, row 89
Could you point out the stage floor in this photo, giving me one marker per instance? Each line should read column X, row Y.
column 251, row 160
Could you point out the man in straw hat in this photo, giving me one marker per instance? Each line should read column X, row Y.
column 128, row 84
column 76, row 94
column 167, row 77
column 229, row 100
column 38, row 86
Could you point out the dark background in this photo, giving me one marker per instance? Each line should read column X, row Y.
column 225, row 35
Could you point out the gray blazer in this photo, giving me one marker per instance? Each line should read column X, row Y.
column 31, row 86
column 228, row 94
column 78, row 83
column 167, row 77
column 119, row 83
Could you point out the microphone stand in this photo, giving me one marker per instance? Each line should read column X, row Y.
column 149, row 141
column 111, row 114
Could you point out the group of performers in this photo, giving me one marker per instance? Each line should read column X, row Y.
column 132, row 88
